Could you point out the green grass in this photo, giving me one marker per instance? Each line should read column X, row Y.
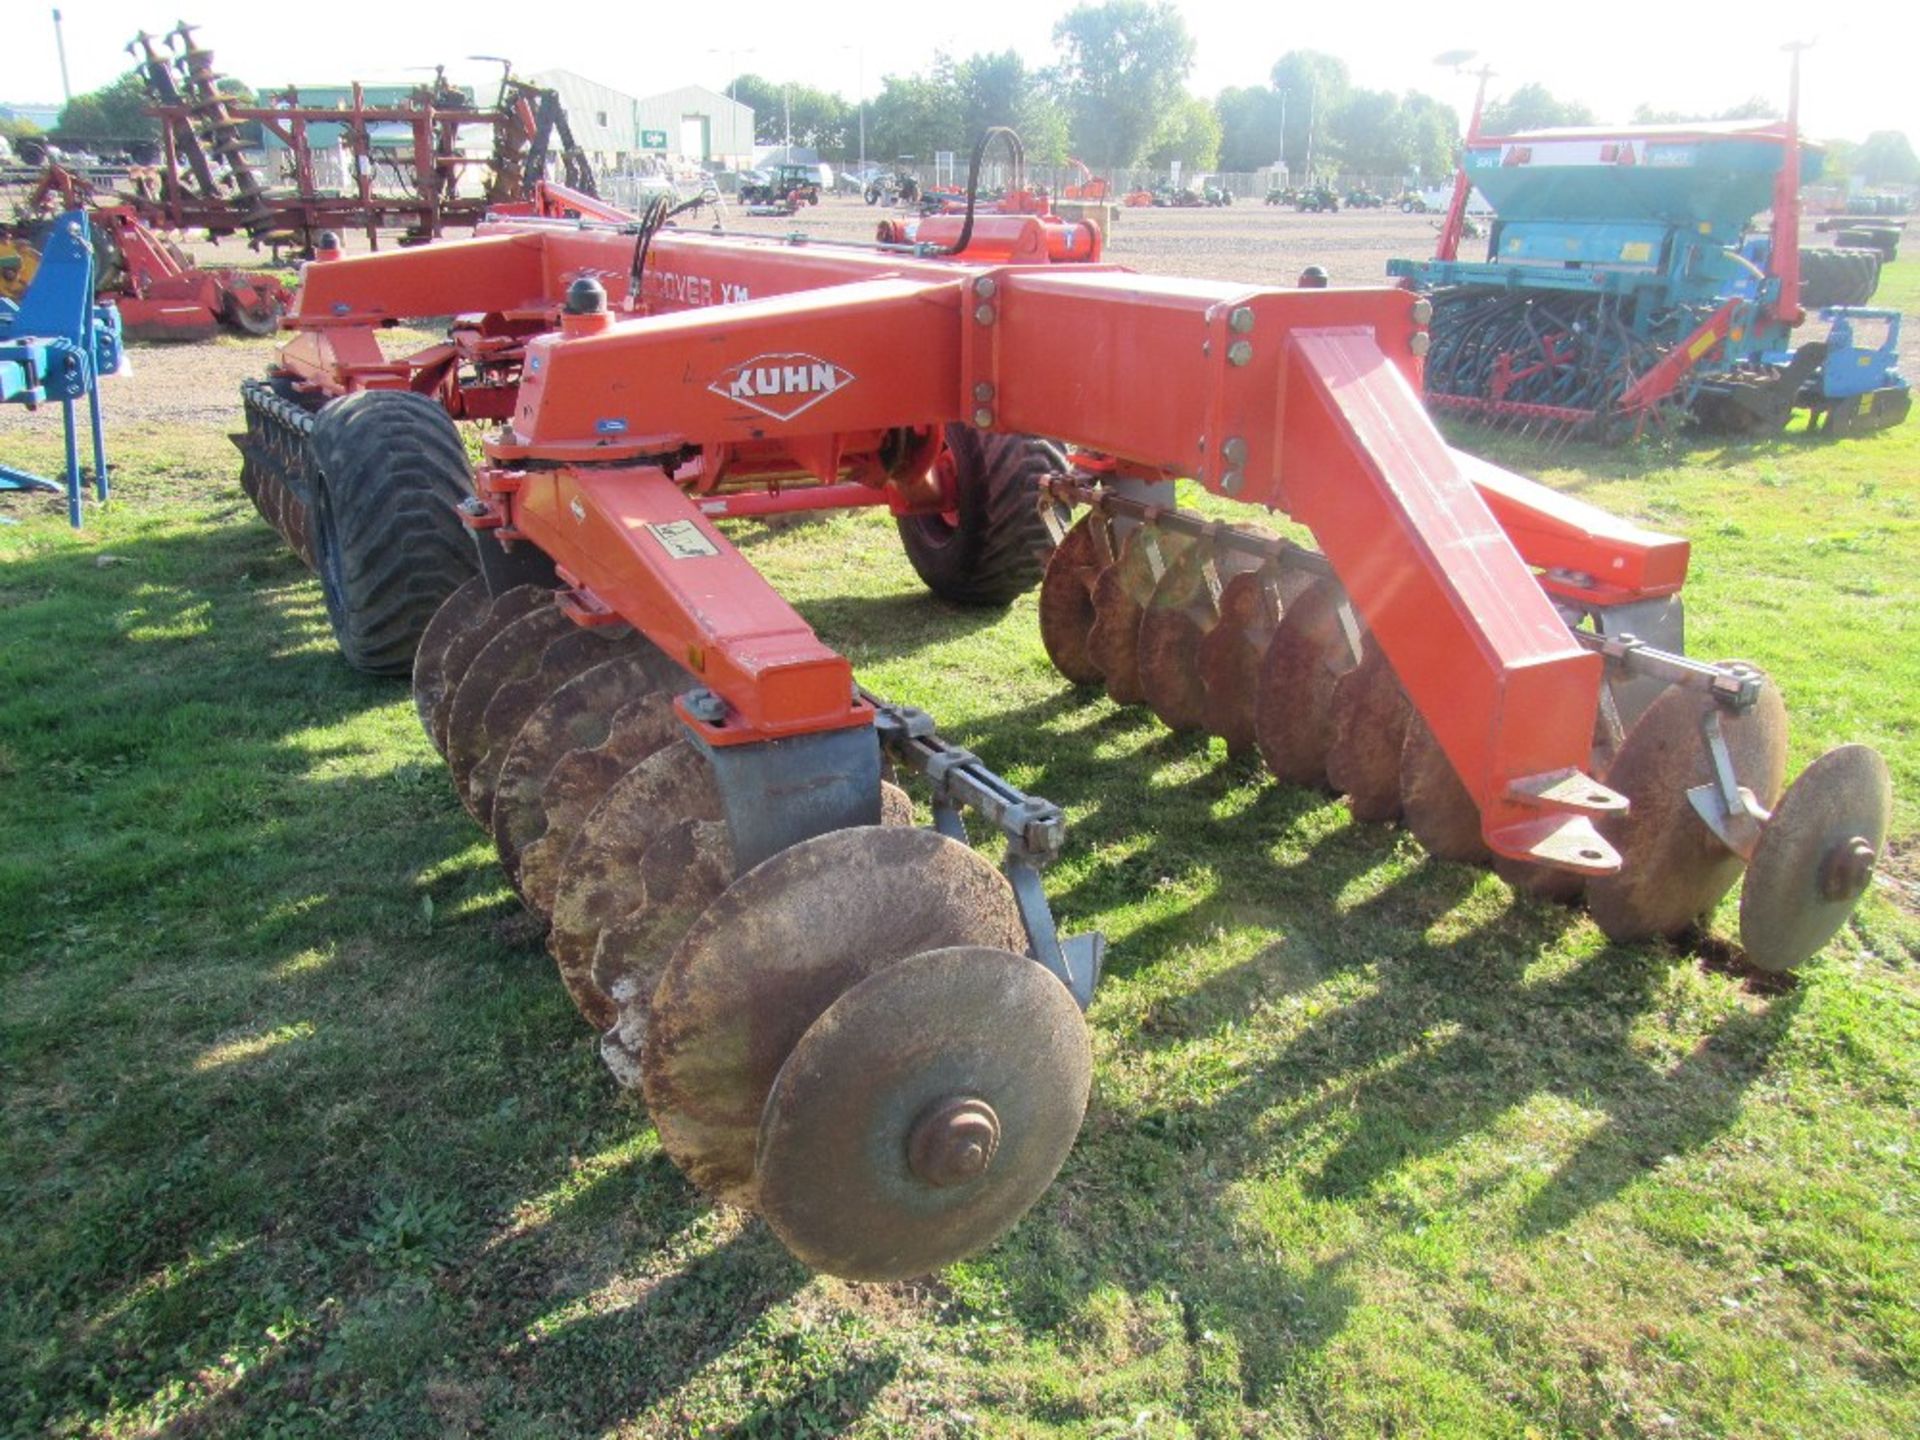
column 299, row 1135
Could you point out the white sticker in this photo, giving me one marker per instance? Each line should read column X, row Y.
column 682, row 540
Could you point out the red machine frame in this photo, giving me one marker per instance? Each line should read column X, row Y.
column 763, row 375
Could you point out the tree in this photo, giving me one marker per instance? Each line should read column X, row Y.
column 1754, row 107
column 113, row 112
column 819, row 119
column 1189, row 133
column 1531, row 107
column 1886, row 158
column 912, row 115
column 1313, row 86
column 1122, row 67
column 1249, row 127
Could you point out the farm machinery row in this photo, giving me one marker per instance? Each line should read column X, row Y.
column 860, row 1028
column 1624, row 289
column 205, row 181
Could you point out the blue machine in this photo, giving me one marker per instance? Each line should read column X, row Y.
column 55, row 345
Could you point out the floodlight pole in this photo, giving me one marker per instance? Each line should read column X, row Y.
column 60, row 44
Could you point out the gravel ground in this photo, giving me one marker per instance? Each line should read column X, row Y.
column 198, row 384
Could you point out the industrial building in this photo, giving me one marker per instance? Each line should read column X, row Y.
column 690, row 123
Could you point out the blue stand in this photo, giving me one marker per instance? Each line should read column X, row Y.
column 55, row 345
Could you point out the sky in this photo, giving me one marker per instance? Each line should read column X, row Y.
column 1858, row 78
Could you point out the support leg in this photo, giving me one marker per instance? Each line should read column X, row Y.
column 73, row 465
column 99, row 441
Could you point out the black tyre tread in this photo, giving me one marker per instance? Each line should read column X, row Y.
column 999, row 549
column 389, row 469
column 1838, row 276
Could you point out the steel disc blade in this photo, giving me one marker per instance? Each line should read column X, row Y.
column 1815, row 857
column 683, row 871
column 602, row 877
column 1368, row 719
column 1293, row 707
column 572, row 653
column 1120, row 599
column 1674, row 869
column 923, row 1114
column 1066, row 602
column 580, row 780
column 578, row 715
column 1180, row 615
column 780, row 945
column 1230, row 659
column 681, row 874
column 467, row 643
column 512, row 654
column 465, row 609
column 1437, row 809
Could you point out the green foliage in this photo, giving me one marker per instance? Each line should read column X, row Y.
column 18, row 127
column 1371, row 132
column 1189, row 133
column 912, row 115
column 1886, row 158
column 818, row 120
column 1531, row 107
column 1754, row 107
column 113, row 112
column 1122, row 67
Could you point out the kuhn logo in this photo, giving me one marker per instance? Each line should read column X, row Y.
column 782, row 386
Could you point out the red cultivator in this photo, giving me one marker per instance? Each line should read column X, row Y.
column 834, row 1017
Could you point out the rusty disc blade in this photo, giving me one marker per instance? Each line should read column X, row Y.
column 1183, row 611
column 579, row 715
column 1230, row 659
column 923, row 1114
column 1066, row 602
column 1437, row 808
column 511, row 654
column 571, row 653
column 1368, row 718
column 580, row 780
column 463, row 610
column 468, row 642
column 1120, row 598
column 780, row 945
column 602, row 877
column 1673, row 868
column 1293, row 707
column 1815, row 857
column 681, row 874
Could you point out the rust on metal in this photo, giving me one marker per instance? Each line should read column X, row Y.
column 601, row 878
column 1120, row 598
column 577, row 716
column 1066, row 602
column 580, row 780
column 1293, row 707
column 1369, row 729
column 1816, row 857
column 1676, row 868
column 891, row 1146
column 463, row 610
column 1182, row 612
column 511, row 654
column 466, row 643
column 774, row 951
column 1436, row 807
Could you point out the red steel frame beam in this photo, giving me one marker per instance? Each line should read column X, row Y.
column 1303, row 401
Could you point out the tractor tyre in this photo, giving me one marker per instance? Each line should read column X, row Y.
column 388, row 470
column 1838, row 277
column 993, row 546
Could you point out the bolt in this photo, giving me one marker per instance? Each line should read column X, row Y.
column 1240, row 352
column 705, row 706
column 1848, row 868
column 1231, row 482
column 984, row 314
column 983, row 392
column 1235, row 450
column 1420, row 342
column 1422, row 311
column 953, row 1142
column 983, row 418
column 1241, row 320
column 984, row 287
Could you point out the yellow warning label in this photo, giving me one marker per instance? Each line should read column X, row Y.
column 1703, row 344
column 1637, row 252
